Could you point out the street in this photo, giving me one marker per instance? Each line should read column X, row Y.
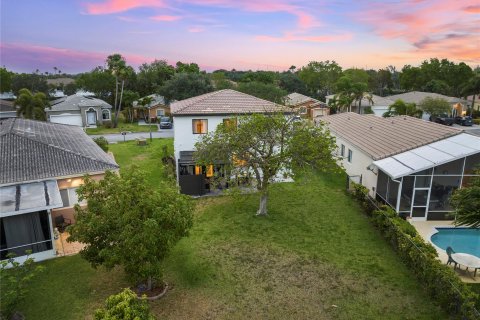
column 118, row 137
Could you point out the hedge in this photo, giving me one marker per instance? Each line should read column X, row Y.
column 440, row 280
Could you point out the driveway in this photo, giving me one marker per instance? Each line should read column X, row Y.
column 116, row 137
column 475, row 129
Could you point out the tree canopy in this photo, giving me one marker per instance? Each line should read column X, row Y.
column 151, row 76
column 435, row 106
column 399, row 107
column 262, row 90
column 128, row 223
column 31, row 106
column 268, row 147
column 186, row 85
column 466, row 202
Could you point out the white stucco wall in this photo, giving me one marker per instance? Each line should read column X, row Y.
column 184, row 139
column 359, row 164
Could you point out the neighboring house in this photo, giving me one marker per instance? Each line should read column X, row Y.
column 41, row 165
column 458, row 104
column 78, row 110
column 379, row 106
column 7, row 109
column 200, row 115
column 7, row 96
column 411, row 164
column 156, row 109
column 307, row 107
column 477, row 101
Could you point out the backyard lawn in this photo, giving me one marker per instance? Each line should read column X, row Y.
column 314, row 257
column 122, row 126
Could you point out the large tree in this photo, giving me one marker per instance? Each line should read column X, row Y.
column 31, row 106
column 127, row 222
column 472, row 87
column 5, row 80
column 291, row 82
column 99, row 81
column 117, row 65
column 320, row 77
column 151, row 76
column 262, row 90
column 466, row 202
column 435, row 106
column 356, row 90
column 268, row 146
column 31, row 81
column 186, row 85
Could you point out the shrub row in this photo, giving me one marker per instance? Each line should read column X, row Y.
column 440, row 280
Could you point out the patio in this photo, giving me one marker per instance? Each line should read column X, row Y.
column 426, row 229
column 64, row 248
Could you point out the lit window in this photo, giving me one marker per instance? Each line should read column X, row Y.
column 199, row 126
column 350, row 155
column 342, row 150
column 230, row 122
column 209, row 171
column 198, row 170
column 106, row 114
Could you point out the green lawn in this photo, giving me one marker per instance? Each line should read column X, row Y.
column 122, row 126
column 315, row 256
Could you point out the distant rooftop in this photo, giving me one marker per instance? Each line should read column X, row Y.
column 224, row 102
column 377, row 101
column 35, row 150
column 383, row 137
column 75, row 102
column 156, row 100
column 418, row 96
column 295, row 99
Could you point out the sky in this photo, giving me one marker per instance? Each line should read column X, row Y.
column 77, row 35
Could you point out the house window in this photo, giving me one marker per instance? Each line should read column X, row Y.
column 302, row 110
column 160, row 113
column 350, row 155
column 70, row 197
column 230, row 122
column 199, row 126
column 342, row 150
column 105, row 114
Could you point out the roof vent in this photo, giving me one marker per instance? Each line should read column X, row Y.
column 371, row 127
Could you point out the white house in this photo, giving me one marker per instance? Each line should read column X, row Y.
column 411, row 164
column 202, row 114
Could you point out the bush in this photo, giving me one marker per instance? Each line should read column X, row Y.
column 102, row 142
column 125, row 306
column 439, row 279
column 107, row 124
column 14, row 277
column 476, row 121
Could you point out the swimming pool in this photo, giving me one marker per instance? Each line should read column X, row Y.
column 460, row 239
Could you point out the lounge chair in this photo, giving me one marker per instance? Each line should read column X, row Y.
column 450, row 259
column 62, row 223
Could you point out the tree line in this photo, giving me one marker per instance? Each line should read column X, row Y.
column 120, row 84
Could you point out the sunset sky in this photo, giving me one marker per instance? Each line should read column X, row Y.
column 77, row 35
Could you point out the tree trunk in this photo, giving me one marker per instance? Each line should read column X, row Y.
column 262, row 209
column 360, row 106
column 473, row 105
column 117, row 111
column 116, row 96
column 149, row 283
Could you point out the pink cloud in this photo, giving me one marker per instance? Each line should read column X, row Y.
column 166, row 18
column 292, row 37
column 196, row 29
column 30, row 57
column 472, row 9
column 116, row 6
column 434, row 27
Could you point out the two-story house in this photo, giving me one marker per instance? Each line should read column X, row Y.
column 199, row 115
column 41, row 166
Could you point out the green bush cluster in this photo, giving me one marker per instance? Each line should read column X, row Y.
column 102, row 142
column 440, row 280
column 476, row 121
column 125, row 306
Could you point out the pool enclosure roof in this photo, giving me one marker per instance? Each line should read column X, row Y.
column 429, row 156
column 29, row 197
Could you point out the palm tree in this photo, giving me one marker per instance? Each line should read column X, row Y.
column 116, row 64
column 31, row 106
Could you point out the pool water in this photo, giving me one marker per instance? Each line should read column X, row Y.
column 464, row 240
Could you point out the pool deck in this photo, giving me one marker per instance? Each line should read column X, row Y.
column 426, row 229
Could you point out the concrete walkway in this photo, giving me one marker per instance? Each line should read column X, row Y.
column 118, row 137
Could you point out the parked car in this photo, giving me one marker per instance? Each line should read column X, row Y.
column 166, row 123
column 443, row 119
column 464, row 121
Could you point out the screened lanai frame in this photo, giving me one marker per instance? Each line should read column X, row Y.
column 424, row 195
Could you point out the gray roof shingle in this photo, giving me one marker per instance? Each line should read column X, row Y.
column 385, row 137
column 35, row 150
column 224, row 102
column 75, row 102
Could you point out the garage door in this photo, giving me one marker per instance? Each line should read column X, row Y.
column 71, row 119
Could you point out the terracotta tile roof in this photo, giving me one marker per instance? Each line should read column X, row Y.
column 295, row 99
column 224, row 102
column 36, row 150
column 385, row 137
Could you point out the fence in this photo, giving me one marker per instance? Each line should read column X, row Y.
column 439, row 279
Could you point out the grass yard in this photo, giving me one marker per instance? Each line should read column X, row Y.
column 122, row 126
column 314, row 257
